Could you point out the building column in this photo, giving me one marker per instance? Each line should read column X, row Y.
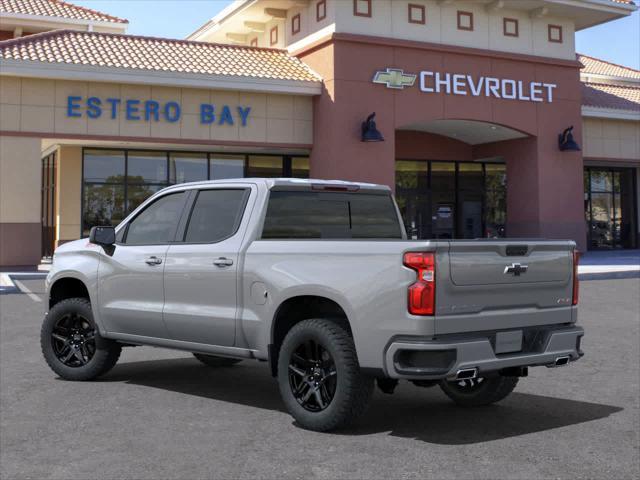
column 20, row 228
column 68, row 194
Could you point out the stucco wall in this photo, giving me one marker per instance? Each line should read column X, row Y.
column 611, row 139
column 40, row 106
column 19, row 200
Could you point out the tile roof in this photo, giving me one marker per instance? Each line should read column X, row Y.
column 611, row 96
column 56, row 8
column 602, row 67
column 155, row 54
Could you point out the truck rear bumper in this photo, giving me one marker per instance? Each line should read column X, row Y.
column 418, row 358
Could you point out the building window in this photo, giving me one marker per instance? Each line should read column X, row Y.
column 273, row 36
column 465, row 20
column 362, row 8
column 555, row 33
column 254, row 42
column 295, row 24
column 451, row 199
column 115, row 182
column 510, row 27
column 417, row 14
column 321, row 10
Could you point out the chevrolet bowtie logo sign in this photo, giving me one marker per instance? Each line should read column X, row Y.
column 395, row 78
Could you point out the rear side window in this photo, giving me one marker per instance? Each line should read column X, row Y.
column 157, row 223
column 216, row 215
column 296, row 215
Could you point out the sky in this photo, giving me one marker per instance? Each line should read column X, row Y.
column 617, row 42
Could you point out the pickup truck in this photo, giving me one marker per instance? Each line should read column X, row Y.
column 318, row 279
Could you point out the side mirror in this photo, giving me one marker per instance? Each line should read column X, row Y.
column 105, row 236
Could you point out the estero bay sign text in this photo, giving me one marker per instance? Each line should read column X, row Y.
column 153, row 111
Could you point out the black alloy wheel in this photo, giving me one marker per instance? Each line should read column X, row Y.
column 312, row 376
column 74, row 340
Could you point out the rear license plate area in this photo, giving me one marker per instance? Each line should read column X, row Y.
column 508, row 342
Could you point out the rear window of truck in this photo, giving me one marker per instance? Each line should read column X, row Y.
column 330, row 215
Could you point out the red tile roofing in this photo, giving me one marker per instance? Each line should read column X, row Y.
column 611, row 96
column 602, row 67
column 158, row 54
column 56, row 8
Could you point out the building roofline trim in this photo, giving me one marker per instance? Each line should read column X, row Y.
column 610, row 113
column 225, row 13
column 65, row 20
column 89, row 73
column 624, row 81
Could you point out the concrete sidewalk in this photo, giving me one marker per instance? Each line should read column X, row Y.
column 609, row 264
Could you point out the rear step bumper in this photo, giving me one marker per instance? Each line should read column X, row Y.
column 417, row 358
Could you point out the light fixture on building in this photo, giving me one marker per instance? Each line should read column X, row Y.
column 370, row 132
column 566, row 143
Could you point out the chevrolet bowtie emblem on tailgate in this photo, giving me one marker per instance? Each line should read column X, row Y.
column 395, row 78
column 516, row 269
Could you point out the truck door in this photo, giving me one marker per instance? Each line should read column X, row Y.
column 201, row 271
column 130, row 288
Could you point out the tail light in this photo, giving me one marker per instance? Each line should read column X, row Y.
column 422, row 294
column 576, row 283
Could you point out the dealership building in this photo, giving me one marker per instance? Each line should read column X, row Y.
column 487, row 122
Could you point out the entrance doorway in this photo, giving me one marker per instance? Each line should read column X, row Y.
column 610, row 207
column 48, row 207
column 452, row 199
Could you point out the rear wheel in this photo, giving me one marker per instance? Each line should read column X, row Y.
column 319, row 376
column 214, row 361
column 479, row 391
column 71, row 344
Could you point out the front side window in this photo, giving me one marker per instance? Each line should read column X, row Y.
column 157, row 223
column 328, row 215
column 216, row 215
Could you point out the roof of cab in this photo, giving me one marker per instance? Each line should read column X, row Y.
column 290, row 182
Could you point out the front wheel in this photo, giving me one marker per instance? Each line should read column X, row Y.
column 479, row 391
column 319, row 376
column 71, row 344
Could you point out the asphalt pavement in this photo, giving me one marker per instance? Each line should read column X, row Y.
column 161, row 414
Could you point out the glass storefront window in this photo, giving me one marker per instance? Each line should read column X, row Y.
column 451, row 199
column 300, row 167
column 264, row 166
column 226, row 166
column 115, row 182
column 103, row 166
column 103, row 204
column 146, row 167
column 187, row 167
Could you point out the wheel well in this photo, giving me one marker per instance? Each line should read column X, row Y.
column 297, row 309
column 67, row 288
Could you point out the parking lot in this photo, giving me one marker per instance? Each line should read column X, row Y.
column 161, row 414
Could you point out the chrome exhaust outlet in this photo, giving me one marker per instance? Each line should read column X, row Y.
column 466, row 373
column 561, row 361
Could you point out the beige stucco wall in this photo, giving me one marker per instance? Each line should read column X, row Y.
column 20, row 171
column 608, row 138
column 68, row 193
column 35, row 105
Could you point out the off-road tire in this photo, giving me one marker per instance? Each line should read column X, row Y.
column 491, row 390
column 213, row 361
column 353, row 390
column 106, row 352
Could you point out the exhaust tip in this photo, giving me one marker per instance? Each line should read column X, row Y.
column 466, row 373
column 562, row 361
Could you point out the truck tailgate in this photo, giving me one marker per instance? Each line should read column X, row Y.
column 500, row 284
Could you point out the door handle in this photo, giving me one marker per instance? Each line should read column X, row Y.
column 223, row 262
column 153, row 260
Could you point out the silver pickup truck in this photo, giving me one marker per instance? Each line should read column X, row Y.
column 318, row 279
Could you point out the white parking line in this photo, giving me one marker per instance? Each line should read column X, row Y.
column 24, row 289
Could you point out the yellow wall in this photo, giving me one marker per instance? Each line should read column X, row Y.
column 608, row 138
column 35, row 105
column 68, row 193
column 20, row 171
